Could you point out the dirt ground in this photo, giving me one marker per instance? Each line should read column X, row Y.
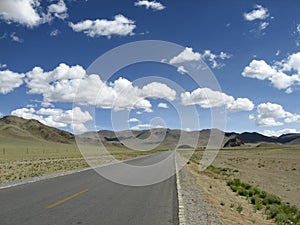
column 224, row 201
column 275, row 171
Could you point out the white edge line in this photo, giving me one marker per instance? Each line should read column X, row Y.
column 181, row 215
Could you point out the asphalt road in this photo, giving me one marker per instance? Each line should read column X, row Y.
column 87, row 198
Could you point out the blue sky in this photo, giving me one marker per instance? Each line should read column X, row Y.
column 252, row 48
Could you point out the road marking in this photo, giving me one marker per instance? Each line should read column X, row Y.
column 181, row 215
column 67, row 199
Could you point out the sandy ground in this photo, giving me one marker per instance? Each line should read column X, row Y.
column 276, row 171
column 223, row 201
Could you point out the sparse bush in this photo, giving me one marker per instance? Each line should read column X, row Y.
column 239, row 208
column 258, row 206
column 242, row 191
column 271, row 199
column 263, row 194
column 272, row 210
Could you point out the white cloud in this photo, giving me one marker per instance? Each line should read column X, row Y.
column 133, row 120
column 278, row 133
column 68, row 84
column 283, row 74
column 1, row 114
column 277, row 53
column 54, row 32
column 24, row 12
column 240, row 104
column 150, row 4
column 263, row 25
column 258, row 13
column 294, row 118
column 145, row 126
column 158, row 90
column 139, row 113
column 187, row 55
column 57, row 117
column 298, row 28
column 212, row 58
column 3, row 66
column 58, row 10
column 120, row 26
column 15, row 38
column 30, row 12
column 49, row 111
column 269, row 114
column 208, row 98
column 181, row 70
column 9, row 81
column 163, row 105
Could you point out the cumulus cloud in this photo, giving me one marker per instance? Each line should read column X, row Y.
column 68, row 83
column 58, row 10
column 258, row 13
column 10, row 80
column 24, row 12
column 283, row 75
column 181, row 70
column 120, row 26
column 157, row 90
column 208, row 98
column 278, row 133
column 150, row 5
column 3, row 66
column 188, row 55
column 57, row 117
column 162, row 105
column 30, row 13
column 240, row 104
column 133, row 120
column 272, row 114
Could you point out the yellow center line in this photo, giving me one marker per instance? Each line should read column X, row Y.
column 67, row 199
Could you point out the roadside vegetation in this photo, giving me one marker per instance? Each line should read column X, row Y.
column 272, row 205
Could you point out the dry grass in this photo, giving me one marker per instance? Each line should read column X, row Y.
column 23, row 160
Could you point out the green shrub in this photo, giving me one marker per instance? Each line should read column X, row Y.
column 239, row 208
column 246, row 186
column 233, row 188
column 271, row 199
column 258, row 206
column 273, row 210
column 263, row 194
column 282, row 218
column 242, row 191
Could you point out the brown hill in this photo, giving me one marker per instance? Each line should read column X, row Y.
column 12, row 127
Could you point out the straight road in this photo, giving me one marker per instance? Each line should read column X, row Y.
column 87, row 198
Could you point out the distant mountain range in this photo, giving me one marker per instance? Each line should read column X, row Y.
column 16, row 128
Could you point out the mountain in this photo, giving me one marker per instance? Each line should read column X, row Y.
column 254, row 137
column 12, row 127
column 292, row 139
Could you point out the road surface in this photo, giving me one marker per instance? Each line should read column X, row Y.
column 87, row 198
